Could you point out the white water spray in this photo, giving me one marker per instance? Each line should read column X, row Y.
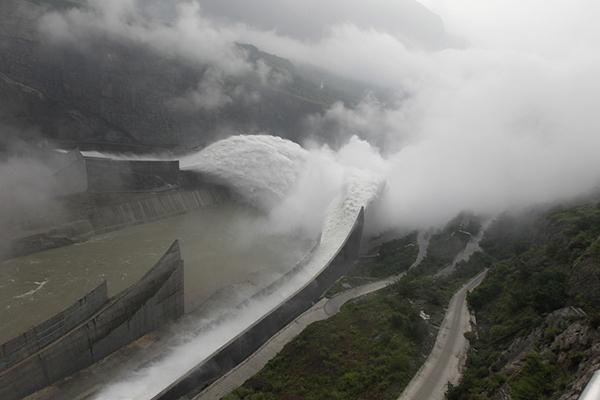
column 262, row 169
column 267, row 170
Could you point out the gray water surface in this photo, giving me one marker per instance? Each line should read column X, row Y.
column 221, row 246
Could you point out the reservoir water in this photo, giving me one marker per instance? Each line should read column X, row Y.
column 221, row 246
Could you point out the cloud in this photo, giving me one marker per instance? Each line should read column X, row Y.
column 492, row 131
column 507, row 119
column 552, row 27
column 382, row 126
column 311, row 20
column 502, row 123
column 28, row 186
column 177, row 29
column 211, row 94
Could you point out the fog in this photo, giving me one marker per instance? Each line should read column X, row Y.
column 27, row 185
column 494, row 108
column 506, row 121
column 27, row 194
column 406, row 20
column 499, row 112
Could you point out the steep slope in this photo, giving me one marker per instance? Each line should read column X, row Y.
column 109, row 93
column 537, row 312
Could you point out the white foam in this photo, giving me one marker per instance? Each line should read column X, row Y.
column 39, row 287
column 262, row 168
column 265, row 169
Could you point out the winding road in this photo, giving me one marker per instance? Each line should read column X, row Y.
column 448, row 355
column 322, row 310
column 442, row 366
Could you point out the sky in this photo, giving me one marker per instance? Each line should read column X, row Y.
column 496, row 100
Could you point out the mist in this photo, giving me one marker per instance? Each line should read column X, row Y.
column 407, row 20
column 26, row 191
column 494, row 108
column 27, row 186
column 505, row 119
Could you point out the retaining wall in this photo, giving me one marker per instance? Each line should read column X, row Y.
column 245, row 344
column 146, row 208
column 154, row 300
column 32, row 341
column 153, row 208
column 62, row 174
column 108, row 175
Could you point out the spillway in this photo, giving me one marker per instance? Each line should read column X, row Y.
column 222, row 246
column 243, row 274
column 276, row 166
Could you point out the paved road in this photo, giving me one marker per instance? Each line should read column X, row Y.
column 448, row 355
column 322, row 310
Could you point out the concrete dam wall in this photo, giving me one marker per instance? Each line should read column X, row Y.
column 131, row 210
column 152, row 208
column 109, row 175
column 250, row 340
column 92, row 329
column 38, row 337
column 95, row 195
column 70, row 174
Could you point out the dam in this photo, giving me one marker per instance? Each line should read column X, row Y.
column 41, row 284
column 244, row 279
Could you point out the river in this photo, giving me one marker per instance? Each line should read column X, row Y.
column 221, row 246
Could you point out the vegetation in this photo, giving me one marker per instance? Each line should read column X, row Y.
column 393, row 257
column 532, row 276
column 370, row 350
column 438, row 291
column 445, row 245
column 388, row 259
column 374, row 346
column 396, row 256
column 539, row 264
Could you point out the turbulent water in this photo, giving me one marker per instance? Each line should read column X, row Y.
column 228, row 250
column 267, row 171
column 263, row 169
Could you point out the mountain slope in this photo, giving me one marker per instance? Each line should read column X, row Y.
column 537, row 312
column 108, row 92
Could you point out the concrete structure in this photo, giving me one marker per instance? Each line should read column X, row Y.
column 70, row 173
column 152, row 208
column 246, row 343
column 592, row 390
column 92, row 329
column 95, row 195
column 35, row 339
column 91, row 218
column 322, row 310
column 109, row 175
